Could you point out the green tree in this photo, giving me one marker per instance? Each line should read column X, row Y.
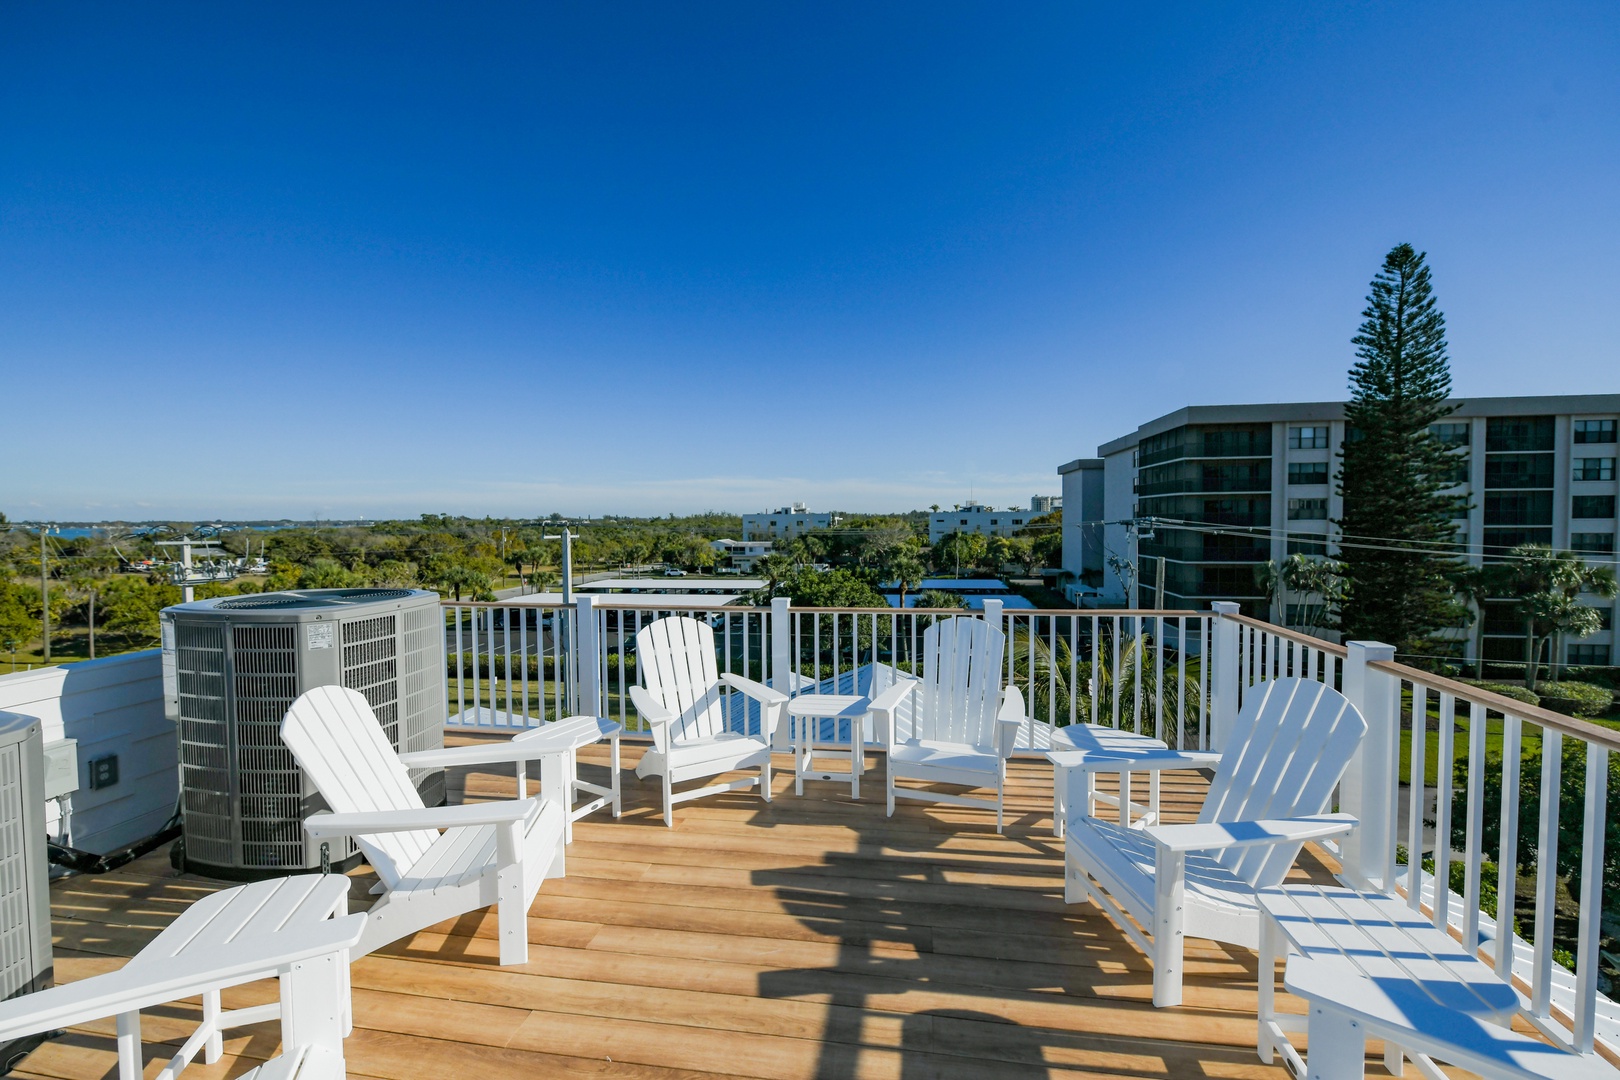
column 1392, row 468
column 1545, row 587
column 774, row 569
column 960, row 551
column 904, row 566
column 16, row 623
column 940, row 598
column 1315, row 585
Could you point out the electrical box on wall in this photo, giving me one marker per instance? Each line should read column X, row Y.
column 103, row 772
column 61, row 768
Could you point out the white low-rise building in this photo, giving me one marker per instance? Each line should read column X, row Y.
column 977, row 518
column 784, row 524
column 742, row 554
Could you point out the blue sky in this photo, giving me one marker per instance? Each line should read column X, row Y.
column 365, row 260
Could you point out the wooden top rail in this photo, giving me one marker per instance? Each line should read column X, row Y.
column 1291, row 635
column 1568, row 725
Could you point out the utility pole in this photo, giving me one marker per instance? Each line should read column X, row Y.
column 1158, row 587
column 44, row 595
column 567, row 538
column 92, row 624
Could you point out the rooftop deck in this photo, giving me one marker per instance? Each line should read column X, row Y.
column 811, row 937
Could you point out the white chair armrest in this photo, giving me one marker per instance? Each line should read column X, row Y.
column 140, row 985
column 772, row 703
column 656, row 716
column 1009, row 718
column 428, row 817
column 1217, row 836
column 884, row 705
column 756, row 690
column 480, row 754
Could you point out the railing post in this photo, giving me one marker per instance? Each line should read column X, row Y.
column 781, row 632
column 1370, row 786
column 1224, row 674
column 993, row 615
column 587, row 661
column 781, row 675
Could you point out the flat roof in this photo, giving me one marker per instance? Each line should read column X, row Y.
column 677, row 584
column 974, row 603
column 655, row 600
column 1080, row 463
column 1334, row 410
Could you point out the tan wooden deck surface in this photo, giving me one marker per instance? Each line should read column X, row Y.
column 810, row 937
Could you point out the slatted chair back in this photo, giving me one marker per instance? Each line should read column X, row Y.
column 340, row 744
column 1289, row 748
column 675, row 657
column 961, row 686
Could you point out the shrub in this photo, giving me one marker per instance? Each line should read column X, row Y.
column 1576, row 698
column 1601, row 676
column 1517, row 693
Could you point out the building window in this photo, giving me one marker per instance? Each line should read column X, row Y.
column 1518, row 508
column 1592, row 506
column 1518, row 470
column 964, row 521
column 1307, row 509
column 1307, row 547
column 1501, row 541
column 1605, row 618
column 1592, row 543
column 1308, row 438
column 1519, row 433
column 1588, row 431
column 1589, row 655
column 1456, row 470
column 1018, row 521
column 1450, row 434
column 1307, row 472
column 995, row 521
column 1594, row 468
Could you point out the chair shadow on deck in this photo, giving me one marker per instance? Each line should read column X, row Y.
column 936, row 908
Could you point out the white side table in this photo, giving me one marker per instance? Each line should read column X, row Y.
column 810, row 710
column 1371, row 967
column 1079, row 743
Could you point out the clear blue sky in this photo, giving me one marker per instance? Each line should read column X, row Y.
column 374, row 260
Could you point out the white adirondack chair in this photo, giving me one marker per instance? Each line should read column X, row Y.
column 279, row 928
column 962, row 722
column 490, row 853
column 682, row 698
column 1289, row 747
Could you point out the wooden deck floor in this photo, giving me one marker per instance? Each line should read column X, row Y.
column 808, row 937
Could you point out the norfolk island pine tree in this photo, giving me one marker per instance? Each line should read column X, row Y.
column 1397, row 523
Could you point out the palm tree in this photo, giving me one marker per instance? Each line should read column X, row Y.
column 1546, row 587
column 773, row 568
column 906, row 569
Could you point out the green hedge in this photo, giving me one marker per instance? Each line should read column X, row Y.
column 1517, row 693
column 1576, row 698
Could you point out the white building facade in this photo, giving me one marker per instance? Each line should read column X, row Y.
column 784, row 524
column 976, row 518
column 1232, row 487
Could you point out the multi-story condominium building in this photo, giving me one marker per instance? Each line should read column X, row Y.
column 976, row 518
column 1231, row 487
column 784, row 524
column 1045, row 504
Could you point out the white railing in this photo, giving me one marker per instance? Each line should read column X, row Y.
column 1475, row 794
column 509, row 665
column 1181, row 676
column 1145, row 671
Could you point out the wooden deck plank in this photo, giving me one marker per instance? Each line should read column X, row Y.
column 808, row 937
